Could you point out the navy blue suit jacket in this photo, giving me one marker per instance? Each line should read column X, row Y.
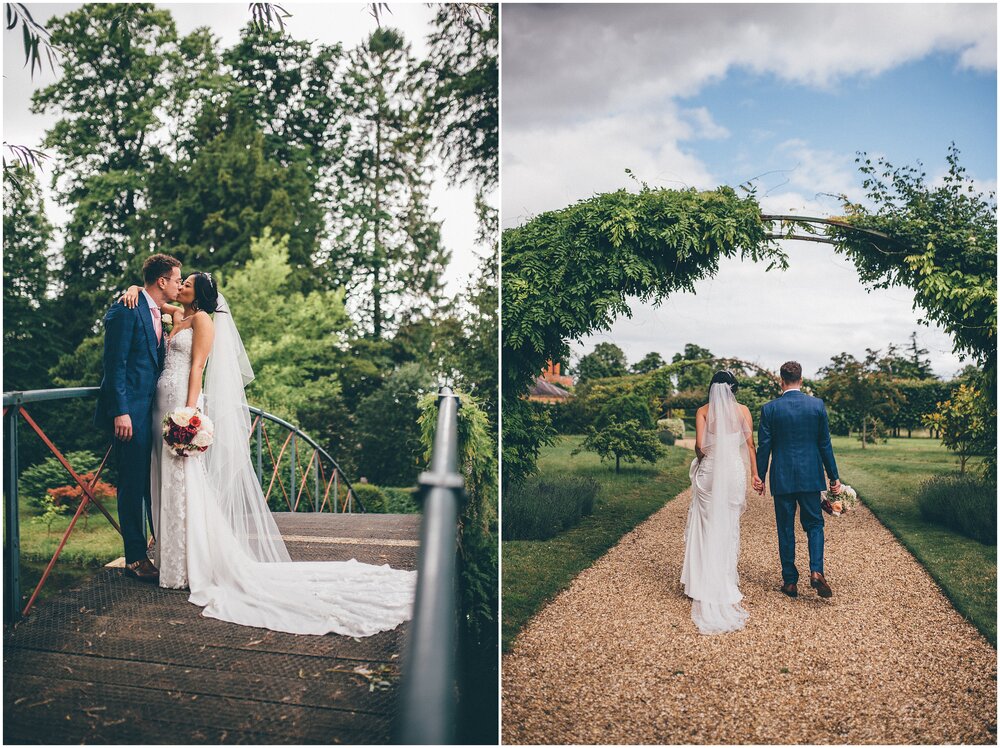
column 794, row 434
column 132, row 363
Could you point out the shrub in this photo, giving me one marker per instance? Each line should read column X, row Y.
column 964, row 503
column 402, row 500
column 36, row 481
column 673, row 426
column 622, row 441
column 539, row 509
column 371, row 497
column 628, row 407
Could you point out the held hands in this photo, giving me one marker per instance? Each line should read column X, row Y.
column 758, row 485
column 835, row 486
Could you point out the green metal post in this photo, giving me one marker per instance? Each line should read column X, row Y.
column 12, row 535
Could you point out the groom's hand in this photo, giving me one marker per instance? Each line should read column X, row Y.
column 835, row 487
column 758, row 485
column 123, row 427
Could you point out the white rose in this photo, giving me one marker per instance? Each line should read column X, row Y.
column 206, row 425
column 167, row 319
column 182, row 416
column 202, row 439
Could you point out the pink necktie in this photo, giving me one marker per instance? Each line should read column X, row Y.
column 157, row 323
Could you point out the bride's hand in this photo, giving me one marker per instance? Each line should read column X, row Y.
column 131, row 297
column 698, row 452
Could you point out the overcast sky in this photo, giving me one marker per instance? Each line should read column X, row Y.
column 327, row 23
column 698, row 95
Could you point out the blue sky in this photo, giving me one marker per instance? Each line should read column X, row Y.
column 702, row 95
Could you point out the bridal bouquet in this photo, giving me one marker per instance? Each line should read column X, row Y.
column 186, row 430
column 842, row 503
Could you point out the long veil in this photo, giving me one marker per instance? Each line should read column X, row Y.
column 718, row 497
column 227, row 462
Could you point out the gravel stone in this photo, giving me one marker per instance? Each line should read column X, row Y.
column 616, row 659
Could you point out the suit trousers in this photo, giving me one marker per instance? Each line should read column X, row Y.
column 811, row 518
column 132, row 458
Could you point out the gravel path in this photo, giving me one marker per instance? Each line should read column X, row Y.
column 616, row 659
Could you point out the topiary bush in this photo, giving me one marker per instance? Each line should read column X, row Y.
column 540, row 509
column 371, row 497
column 674, row 426
column 965, row 503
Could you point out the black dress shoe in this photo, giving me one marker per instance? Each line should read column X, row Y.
column 818, row 583
column 143, row 570
column 791, row 589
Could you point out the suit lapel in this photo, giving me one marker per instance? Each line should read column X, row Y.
column 147, row 322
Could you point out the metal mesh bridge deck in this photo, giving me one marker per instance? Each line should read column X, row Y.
column 120, row 661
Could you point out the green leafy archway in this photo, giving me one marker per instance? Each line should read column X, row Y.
column 571, row 272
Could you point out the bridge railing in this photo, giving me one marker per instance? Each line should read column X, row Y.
column 429, row 673
column 301, row 476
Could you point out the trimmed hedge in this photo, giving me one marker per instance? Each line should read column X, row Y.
column 540, row 509
column 965, row 503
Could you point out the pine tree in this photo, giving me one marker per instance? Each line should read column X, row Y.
column 388, row 253
column 30, row 338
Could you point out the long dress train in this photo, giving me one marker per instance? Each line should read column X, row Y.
column 207, row 545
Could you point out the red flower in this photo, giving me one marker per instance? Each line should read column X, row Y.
column 195, row 422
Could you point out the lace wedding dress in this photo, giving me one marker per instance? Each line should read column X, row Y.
column 712, row 535
column 216, row 536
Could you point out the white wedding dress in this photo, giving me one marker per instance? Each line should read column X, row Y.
column 712, row 535
column 216, row 535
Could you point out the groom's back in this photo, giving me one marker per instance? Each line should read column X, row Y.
column 797, row 426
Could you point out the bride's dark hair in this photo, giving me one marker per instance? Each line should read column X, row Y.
column 725, row 377
column 206, row 292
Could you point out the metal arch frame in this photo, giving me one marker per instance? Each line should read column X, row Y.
column 14, row 410
column 790, row 219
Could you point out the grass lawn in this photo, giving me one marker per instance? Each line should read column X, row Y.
column 89, row 546
column 534, row 571
column 886, row 477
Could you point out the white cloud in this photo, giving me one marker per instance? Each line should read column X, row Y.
column 548, row 167
column 616, row 57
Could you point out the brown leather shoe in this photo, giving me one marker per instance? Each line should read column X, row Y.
column 143, row 570
column 791, row 589
column 818, row 583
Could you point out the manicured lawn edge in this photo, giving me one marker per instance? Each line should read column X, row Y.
column 534, row 572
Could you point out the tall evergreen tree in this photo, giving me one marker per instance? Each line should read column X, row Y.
column 388, row 253
column 31, row 340
column 109, row 100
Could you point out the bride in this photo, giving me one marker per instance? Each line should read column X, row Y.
column 725, row 451
column 215, row 534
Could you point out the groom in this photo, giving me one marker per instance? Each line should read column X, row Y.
column 794, row 433
column 133, row 357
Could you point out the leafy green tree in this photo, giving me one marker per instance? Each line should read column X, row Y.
column 606, row 360
column 694, row 376
column 962, row 423
column 388, row 253
column 626, row 407
column 862, row 391
column 650, row 362
column 462, row 91
column 108, row 101
column 622, row 440
column 941, row 242
column 294, row 340
column 208, row 208
column 31, row 335
column 388, row 435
